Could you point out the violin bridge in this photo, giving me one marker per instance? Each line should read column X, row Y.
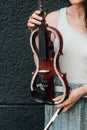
column 44, row 71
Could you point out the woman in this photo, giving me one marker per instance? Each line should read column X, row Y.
column 72, row 23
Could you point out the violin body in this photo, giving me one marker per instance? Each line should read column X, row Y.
column 47, row 65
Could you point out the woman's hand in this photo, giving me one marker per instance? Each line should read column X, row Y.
column 74, row 96
column 34, row 20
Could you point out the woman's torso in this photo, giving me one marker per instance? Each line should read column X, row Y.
column 74, row 59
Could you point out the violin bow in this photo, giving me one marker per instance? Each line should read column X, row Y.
column 58, row 111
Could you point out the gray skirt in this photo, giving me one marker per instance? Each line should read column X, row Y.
column 74, row 119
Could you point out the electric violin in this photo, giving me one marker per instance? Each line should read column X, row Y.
column 43, row 87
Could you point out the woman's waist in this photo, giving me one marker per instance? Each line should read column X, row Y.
column 72, row 84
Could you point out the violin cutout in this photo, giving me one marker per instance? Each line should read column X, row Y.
column 43, row 84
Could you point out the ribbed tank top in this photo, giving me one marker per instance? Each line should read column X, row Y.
column 74, row 58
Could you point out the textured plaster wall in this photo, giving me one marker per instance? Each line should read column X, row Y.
column 18, row 111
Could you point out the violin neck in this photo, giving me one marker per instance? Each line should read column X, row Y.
column 41, row 7
column 42, row 33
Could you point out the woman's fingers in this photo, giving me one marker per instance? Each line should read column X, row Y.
column 34, row 20
column 65, row 103
column 57, row 98
column 66, row 108
column 36, row 15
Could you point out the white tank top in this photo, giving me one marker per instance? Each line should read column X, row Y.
column 74, row 58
